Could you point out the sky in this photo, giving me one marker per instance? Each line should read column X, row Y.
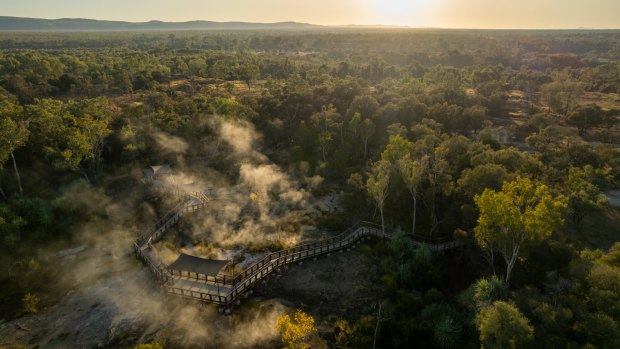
column 502, row 14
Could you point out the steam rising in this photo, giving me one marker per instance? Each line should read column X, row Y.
column 267, row 179
column 261, row 207
column 171, row 143
column 241, row 136
column 116, row 300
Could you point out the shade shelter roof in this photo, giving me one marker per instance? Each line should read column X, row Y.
column 198, row 265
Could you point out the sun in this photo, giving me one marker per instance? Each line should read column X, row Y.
column 399, row 12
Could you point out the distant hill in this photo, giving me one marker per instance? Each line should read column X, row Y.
column 78, row 24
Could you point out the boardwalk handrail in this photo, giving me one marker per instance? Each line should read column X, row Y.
column 239, row 284
column 278, row 259
column 275, row 260
column 171, row 217
column 301, row 247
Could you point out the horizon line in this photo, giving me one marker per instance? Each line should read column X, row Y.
column 376, row 25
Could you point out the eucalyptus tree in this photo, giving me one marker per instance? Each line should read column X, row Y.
column 71, row 134
column 412, row 172
column 503, row 326
column 363, row 129
column 377, row 185
column 523, row 211
column 399, row 152
column 584, row 196
column 13, row 134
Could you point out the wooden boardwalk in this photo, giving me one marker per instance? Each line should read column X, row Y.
column 225, row 290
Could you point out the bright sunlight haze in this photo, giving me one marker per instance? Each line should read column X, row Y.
column 502, row 14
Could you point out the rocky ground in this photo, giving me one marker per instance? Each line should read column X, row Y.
column 342, row 284
column 124, row 306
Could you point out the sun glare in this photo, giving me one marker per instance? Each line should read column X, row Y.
column 399, row 12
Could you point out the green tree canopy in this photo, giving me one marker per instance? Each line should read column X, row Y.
column 502, row 326
column 584, row 196
column 562, row 95
column 522, row 211
column 13, row 133
column 586, row 117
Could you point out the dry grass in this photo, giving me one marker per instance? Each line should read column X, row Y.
column 606, row 101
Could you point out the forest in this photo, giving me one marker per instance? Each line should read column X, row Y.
column 505, row 141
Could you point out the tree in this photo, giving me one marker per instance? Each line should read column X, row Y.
column 562, row 95
column 153, row 345
column 342, row 333
column 324, row 140
column 447, row 328
column 439, row 181
column 489, row 290
column 248, row 72
column 397, row 148
column 25, row 218
column 365, row 105
column 379, row 319
column 69, row 134
column 448, row 81
column 49, row 120
column 94, row 117
column 545, row 139
column 13, row 135
column 502, row 326
column 396, row 129
column 196, row 66
column 122, row 81
column 363, row 129
column 483, row 293
column 363, row 330
column 30, row 303
column 586, row 117
column 412, row 173
column 584, row 196
column 298, row 333
column 473, row 118
column 377, row 185
column 430, row 149
column 522, row 211
column 324, row 122
column 474, row 181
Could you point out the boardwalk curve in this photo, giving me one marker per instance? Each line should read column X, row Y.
column 226, row 290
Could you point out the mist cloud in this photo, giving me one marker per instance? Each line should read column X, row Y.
column 171, row 143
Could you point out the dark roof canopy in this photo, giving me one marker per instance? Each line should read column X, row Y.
column 198, row 265
column 157, row 170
